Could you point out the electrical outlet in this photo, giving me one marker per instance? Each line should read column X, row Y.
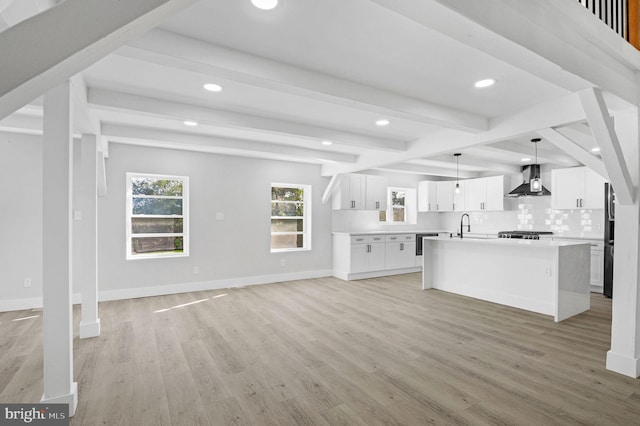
column 282, row 262
column 196, row 270
column 27, row 282
column 547, row 271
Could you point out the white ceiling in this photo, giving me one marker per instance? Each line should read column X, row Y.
column 310, row 71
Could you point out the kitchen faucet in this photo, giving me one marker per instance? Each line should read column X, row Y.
column 468, row 223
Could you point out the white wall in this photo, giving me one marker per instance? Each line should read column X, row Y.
column 20, row 216
column 226, row 251
column 235, row 251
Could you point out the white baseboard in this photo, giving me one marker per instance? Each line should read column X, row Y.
column 28, row 303
column 136, row 292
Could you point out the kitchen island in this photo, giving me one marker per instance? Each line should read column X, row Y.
column 548, row 277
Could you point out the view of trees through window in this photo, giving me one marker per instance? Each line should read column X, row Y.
column 156, row 215
column 288, row 227
column 396, row 207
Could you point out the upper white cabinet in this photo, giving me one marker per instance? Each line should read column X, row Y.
column 444, row 196
column 485, row 193
column 427, row 196
column 360, row 192
column 376, row 193
column 575, row 188
column 475, row 195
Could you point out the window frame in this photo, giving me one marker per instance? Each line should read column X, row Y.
column 390, row 206
column 129, row 216
column 306, row 217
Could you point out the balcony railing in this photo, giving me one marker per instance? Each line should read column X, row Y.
column 619, row 15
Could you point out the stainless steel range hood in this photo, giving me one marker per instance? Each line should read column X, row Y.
column 524, row 190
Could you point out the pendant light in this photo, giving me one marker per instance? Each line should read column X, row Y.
column 536, row 183
column 457, row 155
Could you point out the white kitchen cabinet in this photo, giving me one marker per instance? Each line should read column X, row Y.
column 444, row 196
column 427, row 196
column 376, row 192
column 400, row 251
column 351, row 192
column 575, row 188
column 485, row 194
column 459, row 197
column 360, row 192
column 365, row 256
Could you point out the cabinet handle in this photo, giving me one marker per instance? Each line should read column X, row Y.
column 577, row 202
column 378, row 205
column 437, row 206
column 368, row 248
column 581, row 200
column 454, row 206
column 401, row 246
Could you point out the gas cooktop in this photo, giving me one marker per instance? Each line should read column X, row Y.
column 527, row 235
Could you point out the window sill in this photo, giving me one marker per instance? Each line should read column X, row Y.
column 289, row 250
column 157, row 256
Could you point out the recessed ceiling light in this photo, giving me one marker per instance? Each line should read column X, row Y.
column 190, row 123
column 213, row 87
column 596, row 149
column 382, row 122
column 524, row 160
column 485, row 83
column 327, row 143
column 265, row 4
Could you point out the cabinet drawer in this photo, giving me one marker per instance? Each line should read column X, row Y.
column 376, row 239
column 360, row 239
column 400, row 238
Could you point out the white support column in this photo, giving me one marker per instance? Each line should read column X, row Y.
column 85, row 232
column 624, row 356
column 59, row 386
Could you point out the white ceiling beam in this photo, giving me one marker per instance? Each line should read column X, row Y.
column 604, row 133
column 52, row 46
column 472, row 163
column 573, row 149
column 545, row 155
column 84, row 121
column 113, row 101
column 416, row 169
column 558, row 112
column 20, row 123
column 333, row 183
column 201, row 143
column 173, row 50
column 559, row 41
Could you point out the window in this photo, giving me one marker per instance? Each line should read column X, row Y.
column 290, row 217
column 397, row 205
column 157, row 216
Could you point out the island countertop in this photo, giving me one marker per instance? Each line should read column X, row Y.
column 509, row 241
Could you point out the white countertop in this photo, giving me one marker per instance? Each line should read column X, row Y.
column 422, row 231
column 508, row 242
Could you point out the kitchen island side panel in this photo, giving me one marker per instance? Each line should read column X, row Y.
column 573, row 281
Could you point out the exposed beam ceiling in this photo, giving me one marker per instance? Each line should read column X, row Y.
column 52, row 47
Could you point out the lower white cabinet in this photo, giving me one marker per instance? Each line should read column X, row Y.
column 400, row 251
column 367, row 257
column 373, row 255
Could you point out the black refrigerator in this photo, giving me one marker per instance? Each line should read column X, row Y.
column 609, row 222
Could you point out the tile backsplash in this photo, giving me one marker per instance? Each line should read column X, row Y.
column 535, row 214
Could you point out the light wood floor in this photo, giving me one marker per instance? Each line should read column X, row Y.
column 328, row 352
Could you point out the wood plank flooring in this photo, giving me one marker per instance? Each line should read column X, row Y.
column 327, row 352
